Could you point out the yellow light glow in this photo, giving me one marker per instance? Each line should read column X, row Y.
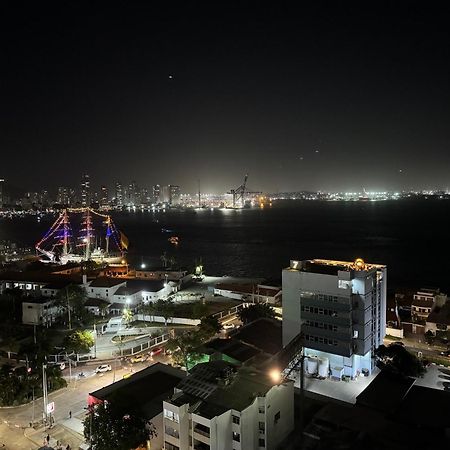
column 275, row 375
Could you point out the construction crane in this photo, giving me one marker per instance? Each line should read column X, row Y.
column 239, row 193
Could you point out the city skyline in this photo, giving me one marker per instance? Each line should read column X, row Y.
column 333, row 99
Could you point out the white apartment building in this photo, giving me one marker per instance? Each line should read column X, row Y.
column 340, row 307
column 424, row 302
column 39, row 311
column 220, row 407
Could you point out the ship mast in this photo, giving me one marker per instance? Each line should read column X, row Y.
column 108, row 232
column 65, row 233
column 88, row 229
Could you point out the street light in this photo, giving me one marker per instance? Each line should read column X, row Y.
column 275, row 375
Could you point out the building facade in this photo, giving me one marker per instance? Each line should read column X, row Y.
column 339, row 307
column 219, row 407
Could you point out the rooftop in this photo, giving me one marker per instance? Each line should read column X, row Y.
column 146, row 285
column 264, row 334
column 332, row 267
column 106, row 282
column 125, row 290
column 268, row 291
column 40, row 276
column 233, row 348
column 145, row 389
column 96, row 302
column 393, row 387
column 440, row 315
column 215, row 387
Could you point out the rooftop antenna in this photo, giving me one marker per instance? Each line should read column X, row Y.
column 199, row 201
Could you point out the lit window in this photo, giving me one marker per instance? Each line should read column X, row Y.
column 236, row 437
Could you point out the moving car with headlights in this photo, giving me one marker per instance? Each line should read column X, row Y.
column 103, row 368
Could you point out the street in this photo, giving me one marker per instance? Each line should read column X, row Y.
column 15, row 422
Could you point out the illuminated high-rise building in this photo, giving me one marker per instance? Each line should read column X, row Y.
column 156, row 197
column 85, row 190
column 340, row 310
column 104, row 196
column 119, row 194
column 174, row 191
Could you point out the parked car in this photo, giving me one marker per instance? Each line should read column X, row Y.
column 446, row 385
column 228, row 326
column 103, row 368
column 446, row 353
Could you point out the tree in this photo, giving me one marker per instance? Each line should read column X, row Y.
column 397, row 359
column 148, row 309
column 199, row 310
column 109, row 426
column 209, row 326
column 256, row 311
column 79, row 341
column 127, row 315
column 166, row 308
column 183, row 346
column 73, row 297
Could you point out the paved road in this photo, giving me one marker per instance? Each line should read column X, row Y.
column 14, row 422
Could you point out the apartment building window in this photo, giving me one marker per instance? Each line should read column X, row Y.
column 236, row 437
column 277, row 417
column 169, row 446
column 236, row 420
column 261, row 409
column 201, row 429
column 170, row 415
column 172, row 432
column 262, row 442
column 262, row 426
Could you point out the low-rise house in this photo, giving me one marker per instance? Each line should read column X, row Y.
column 439, row 319
column 221, row 407
column 39, row 311
column 424, row 302
column 97, row 306
column 104, row 287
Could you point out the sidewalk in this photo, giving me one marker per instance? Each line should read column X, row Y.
column 58, row 433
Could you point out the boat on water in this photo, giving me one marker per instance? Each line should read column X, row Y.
column 174, row 240
column 101, row 243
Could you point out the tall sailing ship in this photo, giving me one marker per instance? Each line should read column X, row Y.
column 101, row 244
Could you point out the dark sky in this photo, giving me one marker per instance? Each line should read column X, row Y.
column 319, row 97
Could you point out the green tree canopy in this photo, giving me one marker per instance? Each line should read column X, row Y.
column 256, row 311
column 209, row 326
column 184, row 346
column 79, row 341
column 397, row 359
column 109, row 426
column 166, row 308
column 199, row 310
column 73, row 297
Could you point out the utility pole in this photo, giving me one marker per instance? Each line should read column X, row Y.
column 44, row 391
column 68, row 307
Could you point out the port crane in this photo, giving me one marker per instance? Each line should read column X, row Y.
column 240, row 193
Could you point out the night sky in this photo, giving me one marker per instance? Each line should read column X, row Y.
column 340, row 97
